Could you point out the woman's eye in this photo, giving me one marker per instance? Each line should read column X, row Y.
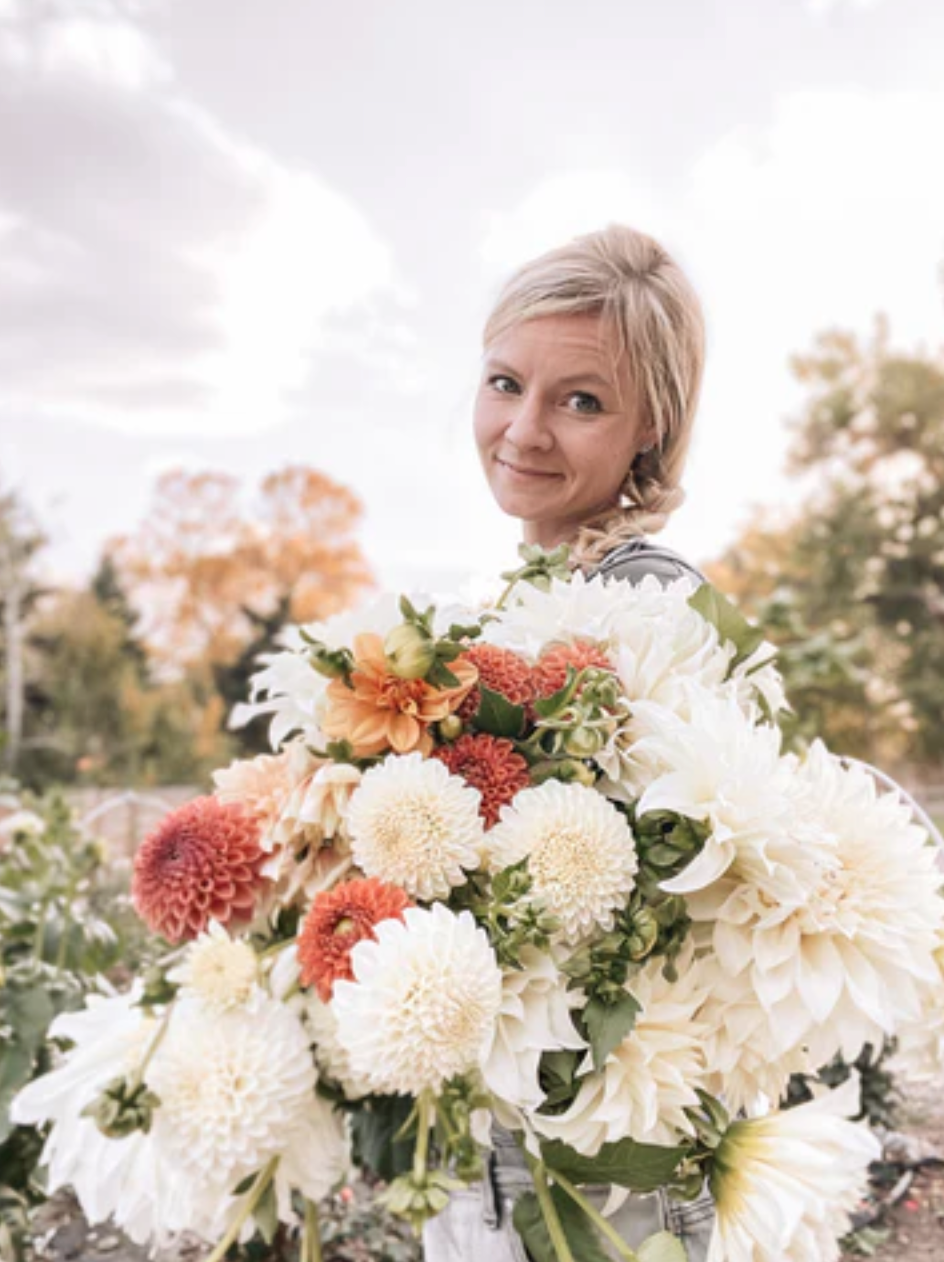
column 581, row 401
column 503, row 384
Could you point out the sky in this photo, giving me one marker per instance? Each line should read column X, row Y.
column 237, row 235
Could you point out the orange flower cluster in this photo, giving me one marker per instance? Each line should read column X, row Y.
column 549, row 674
column 337, row 921
column 502, row 671
column 490, row 765
column 381, row 712
column 201, row 863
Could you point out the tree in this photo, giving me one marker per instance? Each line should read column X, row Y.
column 20, row 540
column 861, row 561
column 203, row 569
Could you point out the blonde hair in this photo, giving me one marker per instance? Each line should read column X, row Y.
column 628, row 278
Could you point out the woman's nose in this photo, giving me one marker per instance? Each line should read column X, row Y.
column 526, row 428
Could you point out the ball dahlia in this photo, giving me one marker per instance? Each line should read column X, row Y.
column 414, row 825
column 580, row 850
column 491, row 765
column 549, row 673
column 220, row 971
column 337, row 921
column 424, row 1003
column 201, row 863
column 501, row 671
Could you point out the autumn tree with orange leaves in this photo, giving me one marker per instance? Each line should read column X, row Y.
column 206, row 568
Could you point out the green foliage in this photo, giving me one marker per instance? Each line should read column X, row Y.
column 55, row 942
column 640, row 1167
column 851, row 584
column 581, row 1235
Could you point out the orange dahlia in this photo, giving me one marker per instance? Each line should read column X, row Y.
column 380, row 711
column 491, row 765
column 549, row 673
column 502, row 671
column 201, row 863
column 337, row 921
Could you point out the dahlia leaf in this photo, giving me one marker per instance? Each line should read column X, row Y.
column 375, row 1128
column 607, row 1024
column 266, row 1214
column 497, row 716
column 640, row 1167
column 662, row 1247
column 581, row 1235
column 728, row 621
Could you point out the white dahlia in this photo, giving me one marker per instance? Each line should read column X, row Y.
column 308, row 841
column 331, row 1058
column 415, row 825
column 580, row 850
column 837, row 933
column 719, row 767
column 220, row 971
column 580, row 608
column 237, row 1089
column 786, row 1184
column 124, row 1179
column 535, row 1017
column 649, row 1080
column 424, row 1005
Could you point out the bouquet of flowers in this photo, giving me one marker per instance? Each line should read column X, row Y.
column 545, row 864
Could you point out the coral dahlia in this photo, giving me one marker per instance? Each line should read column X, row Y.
column 500, row 670
column 490, row 765
column 201, row 863
column 549, row 673
column 338, row 920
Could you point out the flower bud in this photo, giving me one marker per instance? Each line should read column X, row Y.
column 451, row 727
column 583, row 742
column 409, row 650
column 123, row 1108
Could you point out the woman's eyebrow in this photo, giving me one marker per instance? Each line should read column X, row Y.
column 587, row 378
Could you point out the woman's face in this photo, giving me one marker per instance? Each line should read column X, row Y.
column 556, row 429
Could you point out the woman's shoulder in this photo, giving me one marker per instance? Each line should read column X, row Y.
column 639, row 556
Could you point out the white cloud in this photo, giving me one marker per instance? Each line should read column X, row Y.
column 822, row 7
column 562, row 206
column 165, row 275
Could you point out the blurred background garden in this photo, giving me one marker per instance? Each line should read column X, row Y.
column 244, row 256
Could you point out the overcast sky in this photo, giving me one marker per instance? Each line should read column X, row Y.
column 236, row 234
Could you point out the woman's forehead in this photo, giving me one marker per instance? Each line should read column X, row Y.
column 584, row 343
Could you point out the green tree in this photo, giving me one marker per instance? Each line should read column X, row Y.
column 861, row 562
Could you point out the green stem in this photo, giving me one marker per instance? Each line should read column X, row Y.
column 554, row 1227
column 421, row 1153
column 311, row 1234
column 253, row 1197
column 138, row 1076
column 598, row 1220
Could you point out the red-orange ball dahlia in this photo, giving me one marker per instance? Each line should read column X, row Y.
column 337, row 921
column 201, row 863
column 492, row 766
column 501, row 671
column 549, row 673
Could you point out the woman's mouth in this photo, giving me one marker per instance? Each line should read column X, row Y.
column 522, row 471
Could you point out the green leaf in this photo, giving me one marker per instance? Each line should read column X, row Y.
column 374, row 1128
column 497, row 716
column 16, row 1069
column 547, row 706
column 662, row 1247
column 640, row 1167
column 266, row 1214
column 728, row 621
column 607, row 1024
column 583, row 1238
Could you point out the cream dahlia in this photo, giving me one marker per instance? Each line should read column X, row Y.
column 580, row 851
column 836, row 933
column 414, row 825
column 220, row 971
column 650, row 1079
column 263, row 785
column 535, row 1017
column 237, row 1089
column 308, row 844
column 785, row 1184
column 424, row 1003
column 201, row 863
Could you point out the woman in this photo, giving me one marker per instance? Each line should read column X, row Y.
column 592, row 368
